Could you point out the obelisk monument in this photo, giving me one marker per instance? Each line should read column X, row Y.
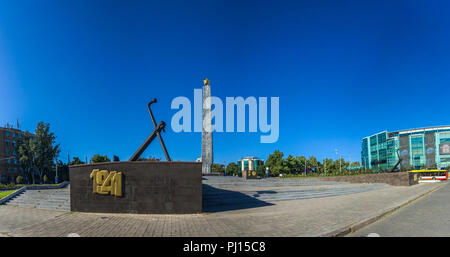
column 207, row 143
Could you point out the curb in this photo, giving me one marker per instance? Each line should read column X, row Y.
column 39, row 187
column 7, row 198
column 25, row 188
column 360, row 224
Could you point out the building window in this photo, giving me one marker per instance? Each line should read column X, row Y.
column 7, row 133
column 7, row 147
column 14, row 134
column 246, row 165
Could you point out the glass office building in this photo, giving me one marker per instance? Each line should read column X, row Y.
column 416, row 148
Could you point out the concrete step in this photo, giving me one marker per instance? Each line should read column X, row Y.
column 50, row 199
column 216, row 197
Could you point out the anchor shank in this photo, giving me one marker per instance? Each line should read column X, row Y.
column 147, row 142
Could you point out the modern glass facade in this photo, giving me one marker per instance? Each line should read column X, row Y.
column 417, row 148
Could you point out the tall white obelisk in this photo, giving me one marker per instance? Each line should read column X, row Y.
column 207, row 143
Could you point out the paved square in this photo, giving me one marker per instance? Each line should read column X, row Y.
column 275, row 207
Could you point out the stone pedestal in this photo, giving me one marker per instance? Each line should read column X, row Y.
column 144, row 187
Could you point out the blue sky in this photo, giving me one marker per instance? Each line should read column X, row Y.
column 342, row 69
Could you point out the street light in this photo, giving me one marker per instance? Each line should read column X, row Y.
column 349, row 163
column 56, row 176
column 340, row 160
column 305, row 165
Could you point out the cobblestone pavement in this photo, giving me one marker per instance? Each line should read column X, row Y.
column 301, row 217
column 12, row 217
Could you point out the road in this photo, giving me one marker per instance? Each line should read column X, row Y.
column 428, row 216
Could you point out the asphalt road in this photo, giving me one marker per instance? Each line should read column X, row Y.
column 428, row 216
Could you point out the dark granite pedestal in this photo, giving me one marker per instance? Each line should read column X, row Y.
column 147, row 187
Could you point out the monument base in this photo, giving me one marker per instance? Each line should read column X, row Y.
column 249, row 174
column 143, row 187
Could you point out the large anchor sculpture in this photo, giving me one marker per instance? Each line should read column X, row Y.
column 156, row 133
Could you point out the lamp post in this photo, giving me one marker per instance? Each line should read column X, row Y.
column 56, row 176
column 305, row 165
column 340, row 160
column 364, row 163
column 349, row 164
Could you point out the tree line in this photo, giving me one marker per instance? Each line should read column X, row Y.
column 37, row 156
column 298, row 165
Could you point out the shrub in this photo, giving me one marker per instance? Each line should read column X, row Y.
column 7, row 186
column 19, row 180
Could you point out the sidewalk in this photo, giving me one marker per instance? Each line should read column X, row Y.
column 305, row 217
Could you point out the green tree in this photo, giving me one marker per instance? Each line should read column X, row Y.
column 219, row 168
column 76, row 161
column 19, row 180
column 232, row 169
column 328, row 166
column 291, row 164
column 97, row 158
column 63, row 171
column 356, row 164
column 261, row 171
column 26, row 154
column 300, row 164
column 46, row 150
column 313, row 164
column 276, row 163
column 339, row 166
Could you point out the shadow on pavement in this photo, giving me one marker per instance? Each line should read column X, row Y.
column 217, row 200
